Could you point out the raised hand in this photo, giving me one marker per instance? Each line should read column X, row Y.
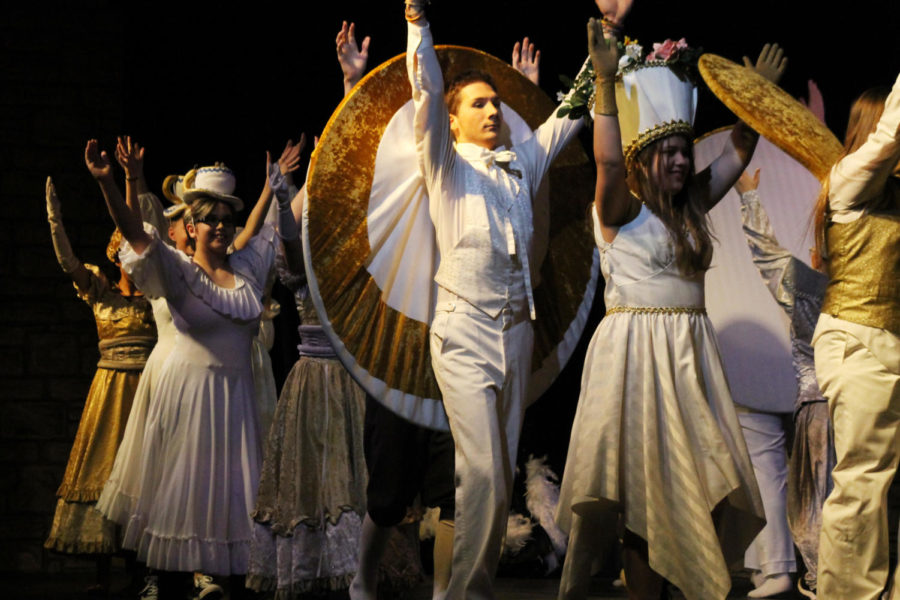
column 526, row 60
column 746, row 183
column 603, row 51
column 53, row 210
column 352, row 57
column 130, row 156
column 289, row 161
column 97, row 161
column 771, row 63
column 816, row 103
column 415, row 10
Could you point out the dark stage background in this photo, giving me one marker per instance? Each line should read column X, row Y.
column 203, row 83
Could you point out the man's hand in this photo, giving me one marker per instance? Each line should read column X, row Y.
column 415, row 10
column 96, row 161
column 603, row 51
column 352, row 57
column 526, row 60
column 771, row 63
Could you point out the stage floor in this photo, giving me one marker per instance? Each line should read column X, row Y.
column 72, row 586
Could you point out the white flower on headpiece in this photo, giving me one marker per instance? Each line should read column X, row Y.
column 631, row 56
column 560, row 96
column 634, row 51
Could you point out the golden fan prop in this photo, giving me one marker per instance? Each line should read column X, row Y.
column 772, row 112
column 369, row 244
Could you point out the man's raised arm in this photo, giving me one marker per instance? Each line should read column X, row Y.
column 434, row 141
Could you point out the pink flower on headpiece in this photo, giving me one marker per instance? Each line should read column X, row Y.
column 667, row 50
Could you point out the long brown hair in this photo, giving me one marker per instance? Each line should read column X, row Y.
column 682, row 214
column 864, row 115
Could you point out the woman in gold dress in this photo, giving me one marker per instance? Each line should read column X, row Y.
column 127, row 334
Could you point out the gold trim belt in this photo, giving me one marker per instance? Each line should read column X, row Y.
column 658, row 310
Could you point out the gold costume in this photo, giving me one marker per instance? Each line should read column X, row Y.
column 127, row 334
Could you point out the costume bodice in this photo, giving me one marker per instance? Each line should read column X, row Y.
column 640, row 269
column 864, row 270
column 125, row 325
column 208, row 338
column 214, row 325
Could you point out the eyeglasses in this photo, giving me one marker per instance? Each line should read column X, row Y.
column 213, row 221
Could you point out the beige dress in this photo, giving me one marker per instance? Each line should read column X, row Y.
column 312, row 489
column 655, row 435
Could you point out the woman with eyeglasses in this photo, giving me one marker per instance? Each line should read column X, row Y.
column 193, row 514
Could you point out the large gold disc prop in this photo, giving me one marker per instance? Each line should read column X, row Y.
column 369, row 244
column 773, row 113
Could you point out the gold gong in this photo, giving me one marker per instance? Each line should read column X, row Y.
column 772, row 112
column 386, row 350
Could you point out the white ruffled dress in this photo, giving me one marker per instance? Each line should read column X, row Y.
column 120, row 494
column 119, row 497
column 201, row 447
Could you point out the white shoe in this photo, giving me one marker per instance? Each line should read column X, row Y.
column 773, row 585
column 805, row 590
column 757, row 578
column 205, row 588
column 150, row 590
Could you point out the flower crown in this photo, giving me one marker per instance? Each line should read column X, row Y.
column 676, row 55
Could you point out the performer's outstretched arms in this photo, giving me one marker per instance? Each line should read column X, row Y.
column 286, row 195
column 148, row 204
column 127, row 220
column 130, row 156
column 861, row 176
column 353, row 58
column 287, row 225
column 287, row 163
column 738, row 150
column 70, row 264
column 434, row 139
column 771, row 259
column 614, row 204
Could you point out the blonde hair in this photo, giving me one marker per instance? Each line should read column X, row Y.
column 682, row 214
column 864, row 116
column 202, row 206
column 112, row 249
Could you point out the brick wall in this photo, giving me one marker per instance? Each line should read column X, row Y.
column 60, row 83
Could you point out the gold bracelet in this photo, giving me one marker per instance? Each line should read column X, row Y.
column 610, row 26
column 605, row 98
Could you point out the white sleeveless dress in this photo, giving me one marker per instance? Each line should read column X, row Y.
column 655, row 433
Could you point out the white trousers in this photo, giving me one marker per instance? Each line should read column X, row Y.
column 772, row 551
column 482, row 366
column 864, row 401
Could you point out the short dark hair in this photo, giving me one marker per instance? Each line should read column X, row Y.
column 462, row 80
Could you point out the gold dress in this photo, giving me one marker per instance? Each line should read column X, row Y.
column 127, row 333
